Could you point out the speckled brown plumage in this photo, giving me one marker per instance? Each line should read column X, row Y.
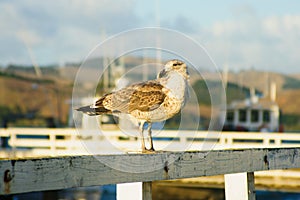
column 145, row 96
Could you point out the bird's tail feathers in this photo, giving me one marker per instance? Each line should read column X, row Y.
column 92, row 111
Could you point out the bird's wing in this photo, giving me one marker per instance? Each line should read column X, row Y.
column 148, row 96
column 145, row 96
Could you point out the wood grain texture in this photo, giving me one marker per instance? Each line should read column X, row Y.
column 26, row 175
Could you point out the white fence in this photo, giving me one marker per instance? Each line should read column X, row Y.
column 67, row 141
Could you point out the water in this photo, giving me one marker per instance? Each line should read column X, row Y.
column 264, row 195
column 109, row 193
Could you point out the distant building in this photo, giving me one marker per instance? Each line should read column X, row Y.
column 253, row 114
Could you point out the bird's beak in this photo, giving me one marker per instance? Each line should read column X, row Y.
column 162, row 73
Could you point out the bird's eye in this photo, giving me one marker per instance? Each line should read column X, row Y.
column 175, row 64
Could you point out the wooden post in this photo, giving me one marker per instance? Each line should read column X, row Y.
column 239, row 186
column 147, row 190
column 13, row 139
column 251, row 186
column 52, row 140
column 133, row 191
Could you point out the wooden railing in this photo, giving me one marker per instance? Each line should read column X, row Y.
column 52, row 173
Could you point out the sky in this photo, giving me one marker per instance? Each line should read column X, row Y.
column 241, row 35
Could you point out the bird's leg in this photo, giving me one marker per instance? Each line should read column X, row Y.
column 150, row 136
column 142, row 136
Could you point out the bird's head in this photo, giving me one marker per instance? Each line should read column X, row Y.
column 175, row 66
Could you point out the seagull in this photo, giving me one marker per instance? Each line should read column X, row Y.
column 147, row 102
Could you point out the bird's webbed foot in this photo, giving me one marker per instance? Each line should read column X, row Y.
column 151, row 150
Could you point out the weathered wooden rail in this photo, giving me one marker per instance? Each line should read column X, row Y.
column 40, row 174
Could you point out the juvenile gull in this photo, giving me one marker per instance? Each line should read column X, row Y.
column 150, row 101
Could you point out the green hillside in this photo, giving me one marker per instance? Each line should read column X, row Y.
column 291, row 83
column 29, row 101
